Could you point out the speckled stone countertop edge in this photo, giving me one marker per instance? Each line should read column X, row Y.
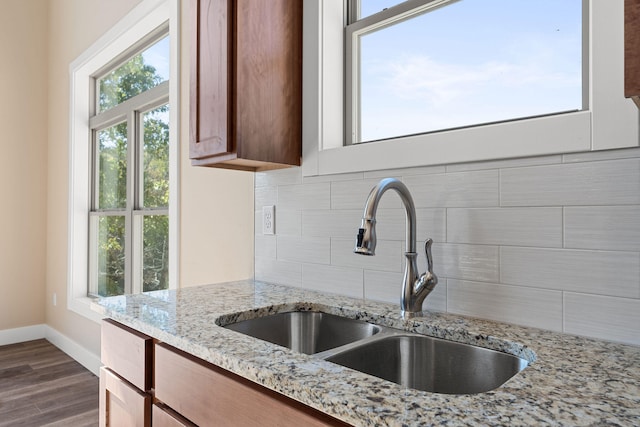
column 572, row 380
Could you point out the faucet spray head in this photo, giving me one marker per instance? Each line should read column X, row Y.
column 366, row 238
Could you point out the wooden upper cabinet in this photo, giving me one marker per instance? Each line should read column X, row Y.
column 632, row 50
column 246, row 84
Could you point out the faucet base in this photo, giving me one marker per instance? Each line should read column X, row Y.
column 406, row 315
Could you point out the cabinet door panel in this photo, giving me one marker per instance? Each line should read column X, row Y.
column 208, row 395
column 269, row 85
column 122, row 405
column 164, row 417
column 127, row 352
column 211, row 78
column 632, row 50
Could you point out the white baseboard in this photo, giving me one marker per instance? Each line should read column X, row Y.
column 80, row 354
column 27, row 333
column 73, row 349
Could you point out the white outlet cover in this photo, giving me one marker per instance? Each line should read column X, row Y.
column 268, row 220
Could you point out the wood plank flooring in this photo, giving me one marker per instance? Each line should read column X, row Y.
column 42, row 386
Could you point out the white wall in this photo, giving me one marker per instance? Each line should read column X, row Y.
column 550, row 242
column 23, row 162
column 38, row 41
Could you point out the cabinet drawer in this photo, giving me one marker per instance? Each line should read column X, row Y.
column 165, row 417
column 209, row 395
column 122, row 405
column 127, row 352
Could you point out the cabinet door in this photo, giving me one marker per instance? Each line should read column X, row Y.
column 632, row 50
column 121, row 404
column 209, row 395
column 127, row 352
column 269, row 81
column 211, row 78
column 165, row 417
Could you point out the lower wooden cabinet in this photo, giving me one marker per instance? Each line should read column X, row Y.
column 121, row 404
column 186, row 391
column 209, row 395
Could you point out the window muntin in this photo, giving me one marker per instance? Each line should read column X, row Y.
column 417, row 68
column 138, row 74
column 128, row 221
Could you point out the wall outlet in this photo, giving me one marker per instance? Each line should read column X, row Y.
column 268, row 220
column 55, row 299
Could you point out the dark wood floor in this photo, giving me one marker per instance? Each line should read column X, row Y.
column 42, row 386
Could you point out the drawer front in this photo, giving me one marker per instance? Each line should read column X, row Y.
column 121, row 404
column 209, row 395
column 127, row 352
column 165, row 417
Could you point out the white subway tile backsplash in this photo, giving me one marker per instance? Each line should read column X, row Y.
column 424, row 170
column 464, row 189
column 280, row 272
column 353, row 195
column 265, row 246
column 523, row 306
column 551, row 242
column 501, row 226
column 333, row 178
column 597, row 183
column 592, row 272
column 503, row 164
column 337, row 280
column 389, row 255
column 391, row 224
column 467, row 262
column 331, row 223
column 608, row 318
column 265, row 196
column 590, row 156
column 615, row 228
column 315, row 250
column 305, row 196
column 286, row 176
column 288, row 222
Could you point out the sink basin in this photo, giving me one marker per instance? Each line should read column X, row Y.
column 431, row 364
column 306, row 332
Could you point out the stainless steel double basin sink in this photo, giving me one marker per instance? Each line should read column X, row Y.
column 411, row 360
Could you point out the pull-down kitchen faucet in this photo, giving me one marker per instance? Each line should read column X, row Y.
column 415, row 286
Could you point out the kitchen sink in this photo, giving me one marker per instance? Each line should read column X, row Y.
column 306, row 332
column 431, row 364
column 408, row 359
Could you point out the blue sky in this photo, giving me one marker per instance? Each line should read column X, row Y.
column 157, row 55
column 473, row 61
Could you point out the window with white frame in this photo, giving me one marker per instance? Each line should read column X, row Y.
column 128, row 220
column 421, row 66
column 124, row 159
column 597, row 117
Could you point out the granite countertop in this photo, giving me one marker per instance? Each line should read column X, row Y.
column 571, row 381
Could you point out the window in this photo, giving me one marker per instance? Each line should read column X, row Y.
column 597, row 117
column 128, row 220
column 426, row 65
column 123, row 159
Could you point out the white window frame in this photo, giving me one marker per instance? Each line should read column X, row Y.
column 148, row 16
column 609, row 121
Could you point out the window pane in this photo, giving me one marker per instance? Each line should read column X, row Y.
column 155, row 259
column 111, row 255
column 112, row 167
column 468, row 63
column 155, row 158
column 142, row 72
